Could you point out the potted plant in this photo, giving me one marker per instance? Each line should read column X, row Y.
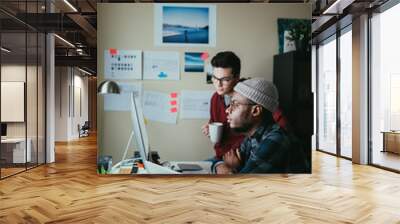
column 300, row 34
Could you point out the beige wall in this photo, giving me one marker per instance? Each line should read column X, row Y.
column 71, row 93
column 250, row 30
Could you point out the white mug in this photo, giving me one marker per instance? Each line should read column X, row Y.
column 215, row 130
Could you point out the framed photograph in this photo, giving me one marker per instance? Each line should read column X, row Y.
column 194, row 62
column 185, row 25
column 301, row 28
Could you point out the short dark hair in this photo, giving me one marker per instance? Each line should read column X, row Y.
column 227, row 59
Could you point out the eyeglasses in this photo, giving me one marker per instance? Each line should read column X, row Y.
column 234, row 104
column 224, row 80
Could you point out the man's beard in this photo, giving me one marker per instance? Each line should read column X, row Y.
column 243, row 129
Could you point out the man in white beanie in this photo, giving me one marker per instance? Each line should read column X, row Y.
column 267, row 148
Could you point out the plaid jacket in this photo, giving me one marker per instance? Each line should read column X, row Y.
column 272, row 150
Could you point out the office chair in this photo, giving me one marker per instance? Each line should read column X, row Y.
column 84, row 130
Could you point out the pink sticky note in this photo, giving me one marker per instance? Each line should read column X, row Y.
column 173, row 102
column 174, row 110
column 204, row 56
column 174, row 95
column 113, row 51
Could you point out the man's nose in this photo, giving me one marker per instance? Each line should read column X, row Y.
column 228, row 110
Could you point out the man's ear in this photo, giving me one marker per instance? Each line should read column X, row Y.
column 256, row 110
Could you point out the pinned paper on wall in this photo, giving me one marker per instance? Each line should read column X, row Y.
column 121, row 102
column 195, row 104
column 161, row 65
column 122, row 64
column 157, row 107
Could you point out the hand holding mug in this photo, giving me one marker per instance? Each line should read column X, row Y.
column 205, row 130
column 215, row 131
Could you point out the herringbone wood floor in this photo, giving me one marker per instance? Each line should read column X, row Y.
column 70, row 191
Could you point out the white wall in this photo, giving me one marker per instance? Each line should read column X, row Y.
column 69, row 82
column 250, row 30
column 33, row 126
column 16, row 73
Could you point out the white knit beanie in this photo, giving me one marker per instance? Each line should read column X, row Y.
column 260, row 91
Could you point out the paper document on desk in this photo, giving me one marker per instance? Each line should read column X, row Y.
column 122, row 102
column 156, row 107
column 195, row 104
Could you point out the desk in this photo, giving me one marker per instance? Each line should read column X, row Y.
column 170, row 167
column 391, row 141
column 17, row 150
column 205, row 165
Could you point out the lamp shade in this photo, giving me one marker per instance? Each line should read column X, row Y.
column 108, row 87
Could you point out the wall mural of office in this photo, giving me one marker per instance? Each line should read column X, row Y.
column 157, row 115
column 22, row 100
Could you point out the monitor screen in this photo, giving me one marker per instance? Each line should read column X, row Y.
column 3, row 129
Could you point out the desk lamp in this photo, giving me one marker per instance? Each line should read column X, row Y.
column 111, row 87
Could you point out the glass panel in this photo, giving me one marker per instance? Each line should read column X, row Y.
column 386, row 89
column 346, row 94
column 31, row 84
column 23, row 90
column 41, row 99
column 314, row 90
column 13, row 87
column 327, row 97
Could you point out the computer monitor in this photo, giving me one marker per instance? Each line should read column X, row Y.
column 3, row 129
column 140, row 134
column 139, row 128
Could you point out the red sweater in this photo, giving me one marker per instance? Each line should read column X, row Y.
column 230, row 140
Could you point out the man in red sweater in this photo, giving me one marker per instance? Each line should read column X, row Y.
column 226, row 73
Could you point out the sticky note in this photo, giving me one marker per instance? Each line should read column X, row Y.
column 174, row 110
column 174, row 95
column 204, row 56
column 173, row 102
column 113, row 51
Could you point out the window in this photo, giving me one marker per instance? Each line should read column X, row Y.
column 327, row 96
column 346, row 93
column 385, row 87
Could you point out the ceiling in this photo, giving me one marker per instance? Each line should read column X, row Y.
column 332, row 15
